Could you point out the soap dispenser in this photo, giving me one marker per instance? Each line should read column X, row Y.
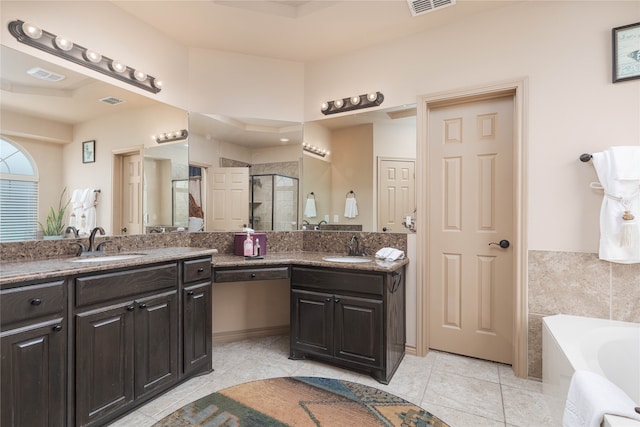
column 248, row 245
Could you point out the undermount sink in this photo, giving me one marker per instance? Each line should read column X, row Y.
column 346, row 259
column 108, row 258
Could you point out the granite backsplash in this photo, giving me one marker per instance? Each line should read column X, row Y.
column 277, row 241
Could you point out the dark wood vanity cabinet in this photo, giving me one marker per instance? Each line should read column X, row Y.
column 33, row 344
column 196, row 309
column 126, row 339
column 355, row 319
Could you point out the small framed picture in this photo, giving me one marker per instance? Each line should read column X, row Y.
column 89, row 151
column 626, row 52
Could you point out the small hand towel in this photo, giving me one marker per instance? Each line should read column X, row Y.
column 350, row 207
column 625, row 162
column 88, row 210
column 310, row 208
column 591, row 397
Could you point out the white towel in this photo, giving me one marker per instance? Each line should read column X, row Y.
column 626, row 162
column 88, row 211
column 350, row 207
column 619, row 239
column 310, row 208
column 76, row 207
column 590, row 397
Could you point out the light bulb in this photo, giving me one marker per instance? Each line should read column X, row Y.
column 63, row 44
column 324, row 106
column 157, row 83
column 140, row 75
column 117, row 66
column 372, row 96
column 92, row 56
column 338, row 103
column 355, row 100
column 32, row 31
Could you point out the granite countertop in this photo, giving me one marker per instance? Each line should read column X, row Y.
column 13, row 272
column 306, row 258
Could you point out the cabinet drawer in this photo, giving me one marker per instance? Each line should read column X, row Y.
column 338, row 281
column 248, row 274
column 123, row 284
column 30, row 302
column 197, row 269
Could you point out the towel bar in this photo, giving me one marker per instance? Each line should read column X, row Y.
column 585, row 157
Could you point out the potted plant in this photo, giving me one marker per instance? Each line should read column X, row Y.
column 54, row 225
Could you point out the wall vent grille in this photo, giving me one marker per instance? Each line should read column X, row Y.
column 420, row 7
column 42, row 74
column 111, row 100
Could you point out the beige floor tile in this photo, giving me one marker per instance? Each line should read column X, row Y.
column 525, row 408
column 507, row 377
column 456, row 418
column 467, row 366
column 472, row 395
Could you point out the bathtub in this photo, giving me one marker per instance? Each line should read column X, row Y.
column 607, row 347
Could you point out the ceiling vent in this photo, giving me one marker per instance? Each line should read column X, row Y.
column 112, row 100
column 42, row 74
column 420, row 7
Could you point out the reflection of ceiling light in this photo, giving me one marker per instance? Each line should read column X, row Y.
column 284, row 139
column 315, row 150
column 59, row 46
column 41, row 73
column 171, row 136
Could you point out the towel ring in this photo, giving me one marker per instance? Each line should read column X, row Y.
column 350, row 192
column 311, row 195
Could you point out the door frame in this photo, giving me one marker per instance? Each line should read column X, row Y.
column 117, row 157
column 518, row 89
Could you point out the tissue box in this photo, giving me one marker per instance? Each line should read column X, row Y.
column 241, row 237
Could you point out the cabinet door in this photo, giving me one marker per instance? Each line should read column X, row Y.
column 104, row 362
column 359, row 330
column 156, row 342
column 311, row 322
column 197, row 328
column 33, row 375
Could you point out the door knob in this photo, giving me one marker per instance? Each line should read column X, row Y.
column 504, row 244
column 124, row 229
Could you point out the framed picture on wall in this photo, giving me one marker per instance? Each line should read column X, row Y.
column 626, row 52
column 89, row 151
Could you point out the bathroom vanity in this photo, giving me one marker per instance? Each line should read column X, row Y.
column 83, row 343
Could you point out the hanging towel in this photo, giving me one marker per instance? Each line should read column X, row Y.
column 310, row 208
column 88, row 211
column 76, row 207
column 350, row 207
column 619, row 233
column 591, row 397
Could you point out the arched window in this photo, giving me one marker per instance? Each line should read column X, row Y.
column 18, row 193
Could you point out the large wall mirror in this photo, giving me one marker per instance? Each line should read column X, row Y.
column 250, row 171
column 48, row 111
column 359, row 171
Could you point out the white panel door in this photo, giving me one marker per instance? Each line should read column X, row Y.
column 396, row 193
column 471, row 205
column 230, row 198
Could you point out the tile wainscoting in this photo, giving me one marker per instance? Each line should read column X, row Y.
column 579, row 284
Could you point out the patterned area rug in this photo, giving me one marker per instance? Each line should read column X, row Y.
column 300, row 401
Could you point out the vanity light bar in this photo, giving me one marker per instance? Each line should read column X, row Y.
column 34, row 36
column 357, row 102
column 315, row 150
column 171, row 136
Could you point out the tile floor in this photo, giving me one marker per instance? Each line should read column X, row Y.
column 459, row 390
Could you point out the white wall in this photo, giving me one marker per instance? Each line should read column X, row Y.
column 564, row 49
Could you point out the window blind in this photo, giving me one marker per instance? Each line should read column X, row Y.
column 18, row 210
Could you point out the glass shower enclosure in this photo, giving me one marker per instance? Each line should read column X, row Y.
column 274, row 202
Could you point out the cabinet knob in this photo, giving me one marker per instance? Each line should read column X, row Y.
column 328, row 300
column 336, row 300
column 142, row 305
column 201, row 270
column 189, row 293
column 253, row 275
column 57, row 328
column 130, row 308
column 36, row 301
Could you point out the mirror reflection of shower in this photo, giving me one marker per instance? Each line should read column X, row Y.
column 274, row 202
